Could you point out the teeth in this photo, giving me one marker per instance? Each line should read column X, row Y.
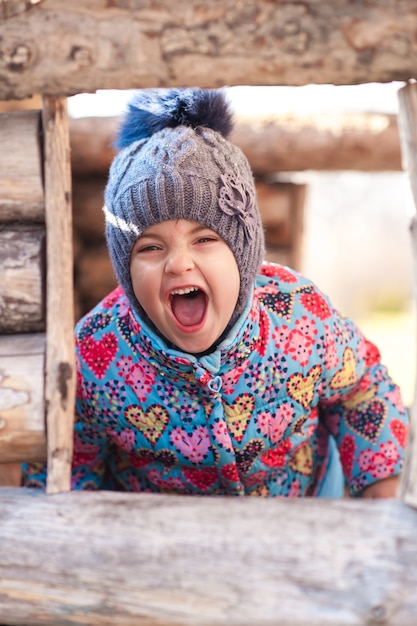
column 183, row 292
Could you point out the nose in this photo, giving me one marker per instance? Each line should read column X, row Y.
column 179, row 260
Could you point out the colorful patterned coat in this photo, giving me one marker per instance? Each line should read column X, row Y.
column 254, row 417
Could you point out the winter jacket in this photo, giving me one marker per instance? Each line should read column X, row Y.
column 253, row 417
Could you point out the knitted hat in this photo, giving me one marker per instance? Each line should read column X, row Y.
column 174, row 163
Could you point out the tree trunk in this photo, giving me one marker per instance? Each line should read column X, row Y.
column 61, row 48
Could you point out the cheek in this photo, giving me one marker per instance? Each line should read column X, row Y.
column 230, row 278
column 134, row 273
column 140, row 281
column 236, row 286
column 234, row 274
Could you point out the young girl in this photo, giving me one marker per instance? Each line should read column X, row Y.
column 209, row 371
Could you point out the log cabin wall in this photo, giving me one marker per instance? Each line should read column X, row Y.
column 22, row 291
column 37, row 373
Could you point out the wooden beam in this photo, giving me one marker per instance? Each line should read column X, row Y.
column 22, row 406
column 31, row 104
column 324, row 142
column 149, row 559
column 61, row 48
column 21, row 187
column 22, row 269
column 60, row 357
column 283, row 143
column 408, row 133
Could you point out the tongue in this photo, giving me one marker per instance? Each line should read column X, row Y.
column 189, row 310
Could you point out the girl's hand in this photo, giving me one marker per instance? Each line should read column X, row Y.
column 386, row 488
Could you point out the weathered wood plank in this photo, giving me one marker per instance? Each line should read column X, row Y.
column 148, row 559
column 60, row 358
column 21, row 188
column 408, row 134
column 282, row 143
column 22, row 407
column 324, row 142
column 139, row 43
column 22, row 269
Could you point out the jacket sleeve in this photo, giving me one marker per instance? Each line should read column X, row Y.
column 360, row 405
column 34, row 475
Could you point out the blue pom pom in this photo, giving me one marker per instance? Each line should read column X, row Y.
column 152, row 110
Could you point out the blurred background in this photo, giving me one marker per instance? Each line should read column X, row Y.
column 347, row 229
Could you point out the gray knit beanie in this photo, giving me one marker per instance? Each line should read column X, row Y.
column 174, row 163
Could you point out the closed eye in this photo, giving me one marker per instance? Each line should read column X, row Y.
column 150, row 248
column 206, row 239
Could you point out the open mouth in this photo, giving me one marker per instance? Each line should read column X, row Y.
column 188, row 305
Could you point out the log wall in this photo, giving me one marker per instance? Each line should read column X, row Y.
column 22, row 402
column 21, row 187
column 37, row 373
column 22, row 271
column 362, row 142
column 22, row 293
column 365, row 142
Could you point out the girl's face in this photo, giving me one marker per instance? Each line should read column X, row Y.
column 186, row 279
